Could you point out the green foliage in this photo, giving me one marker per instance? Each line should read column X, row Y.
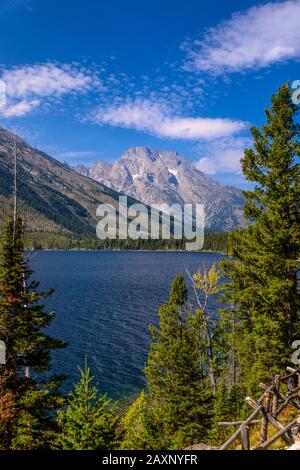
column 227, row 406
column 199, row 368
column 174, row 410
column 262, row 267
column 137, row 425
column 216, row 242
column 48, row 203
column 28, row 401
column 88, row 421
column 34, row 422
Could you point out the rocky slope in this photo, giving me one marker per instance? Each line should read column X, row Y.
column 52, row 196
column 167, row 177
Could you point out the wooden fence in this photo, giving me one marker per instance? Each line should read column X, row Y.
column 266, row 412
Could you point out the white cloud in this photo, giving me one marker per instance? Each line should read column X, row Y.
column 223, row 155
column 261, row 36
column 31, row 85
column 45, row 80
column 19, row 109
column 199, row 128
column 158, row 119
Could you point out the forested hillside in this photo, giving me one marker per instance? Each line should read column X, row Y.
column 52, row 197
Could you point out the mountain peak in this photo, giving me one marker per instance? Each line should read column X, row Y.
column 53, row 197
column 156, row 177
column 141, row 153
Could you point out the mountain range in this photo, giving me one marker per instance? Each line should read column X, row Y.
column 156, row 177
column 52, row 197
column 55, row 198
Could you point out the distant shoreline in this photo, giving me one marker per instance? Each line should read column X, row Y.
column 35, row 241
column 125, row 251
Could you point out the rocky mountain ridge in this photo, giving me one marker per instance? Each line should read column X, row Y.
column 156, row 177
column 51, row 196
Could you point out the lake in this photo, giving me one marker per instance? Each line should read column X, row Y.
column 105, row 302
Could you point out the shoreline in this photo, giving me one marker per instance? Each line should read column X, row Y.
column 124, row 251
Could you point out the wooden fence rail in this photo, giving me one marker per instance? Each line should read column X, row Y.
column 269, row 407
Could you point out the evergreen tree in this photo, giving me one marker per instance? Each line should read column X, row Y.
column 227, row 406
column 138, row 425
column 26, row 401
column 178, row 387
column 89, row 421
column 263, row 257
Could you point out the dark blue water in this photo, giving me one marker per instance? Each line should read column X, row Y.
column 105, row 302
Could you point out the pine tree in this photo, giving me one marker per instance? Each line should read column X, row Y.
column 138, row 425
column 178, row 388
column 263, row 257
column 27, row 400
column 89, row 421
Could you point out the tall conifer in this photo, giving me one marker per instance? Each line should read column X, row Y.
column 263, row 257
column 179, row 389
column 27, row 398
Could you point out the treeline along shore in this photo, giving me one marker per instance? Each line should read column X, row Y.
column 213, row 242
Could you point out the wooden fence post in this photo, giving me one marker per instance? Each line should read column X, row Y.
column 276, row 390
column 237, row 432
column 245, row 439
column 280, row 433
column 265, row 421
column 271, row 403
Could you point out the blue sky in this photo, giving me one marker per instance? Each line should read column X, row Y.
column 85, row 80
